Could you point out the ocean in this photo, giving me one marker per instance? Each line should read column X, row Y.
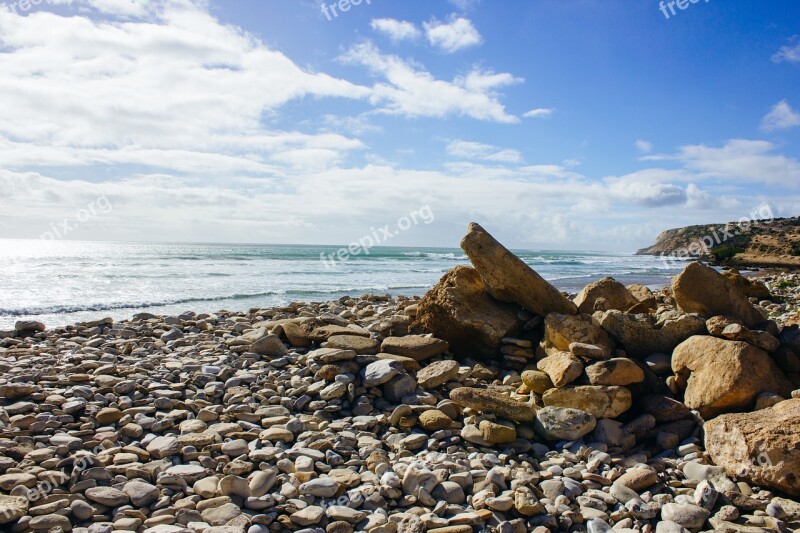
column 63, row 282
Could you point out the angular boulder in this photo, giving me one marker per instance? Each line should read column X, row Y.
column 460, row 311
column 487, row 401
column 562, row 368
column 752, row 288
column 617, row 371
column 509, row 279
column 701, row 289
column 643, row 335
column 599, row 401
column 604, row 295
column 563, row 423
column 560, row 331
column 762, row 447
column 724, row 376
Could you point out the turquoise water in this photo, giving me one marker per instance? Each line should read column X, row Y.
column 62, row 282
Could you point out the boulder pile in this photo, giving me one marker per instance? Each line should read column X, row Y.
column 495, row 403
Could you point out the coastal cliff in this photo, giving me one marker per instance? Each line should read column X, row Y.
column 766, row 243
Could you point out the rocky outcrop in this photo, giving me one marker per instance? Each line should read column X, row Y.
column 642, row 335
column 722, row 376
column 460, row 311
column 604, row 295
column 701, row 289
column 762, row 447
column 509, row 279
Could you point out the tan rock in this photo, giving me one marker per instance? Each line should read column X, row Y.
column 437, row 373
column 762, row 447
column 599, row 401
column 638, row 479
column 617, row 371
column 562, row 368
column 360, row 345
column 643, row 295
column 459, row 310
column 509, row 279
column 434, row 420
column 560, row 331
column 487, row 401
column 497, row 433
column 644, row 335
column 537, row 381
column 752, row 288
column 416, row 347
column 603, row 295
column 725, row 376
column 701, row 289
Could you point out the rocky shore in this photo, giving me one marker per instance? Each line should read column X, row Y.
column 495, row 403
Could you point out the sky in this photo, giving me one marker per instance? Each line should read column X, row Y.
column 556, row 124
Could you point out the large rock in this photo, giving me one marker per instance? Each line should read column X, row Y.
column 509, row 279
column 752, row 288
column 701, row 289
column 599, row 401
column 460, row 311
column 563, row 423
column 617, row 371
column 560, row 331
column 604, row 295
column 562, row 368
column 763, row 447
column 724, row 376
column 488, row 401
column 416, row 347
column 643, row 335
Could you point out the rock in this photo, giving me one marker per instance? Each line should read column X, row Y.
column 562, row 368
column 561, row 423
column 141, row 494
column 459, row 311
column 509, row 279
column 29, row 326
column 613, row 434
column 724, row 376
column 414, row 346
column 449, row 492
column 109, row 415
column 269, row 345
column 324, row 487
column 399, row 386
column 13, row 391
column 759, row 339
column 497, row 433
column 381, row 372
column 763, row 447
column 599, row 401
column 638, row 479
column 701, row 289
column 614, row 295
column 643, row 335
column 752, row 288
column 537, row 381
column 561, row 331
column 50, row 522
column 664, row 409
column 322, row 334
column 222, row 514
column 12, row 508
column 434, row 420
column 488, row 401
column 356, row 343
column 295, row 333
column 618, row 371
column 687, row 515
column 309, row 516
column 437, row 374
column 643, row 295
column 164, row 446
column 107, row 496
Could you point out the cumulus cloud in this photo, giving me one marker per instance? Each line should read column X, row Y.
column 780, row 117
column 397, row 30
column 741, row 160
column 452, row 36
column 789, row 53
column 412, row 91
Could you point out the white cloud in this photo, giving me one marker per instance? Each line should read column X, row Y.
column 412, row 91
column 741, row 160
column 644, row 146
column 397, row 30
column 452, row 36
column 464, row 5
column 484, row 152
column 788, row 53
column 540, row 112
column 781, row 117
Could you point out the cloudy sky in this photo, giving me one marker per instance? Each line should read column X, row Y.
column 558, row 124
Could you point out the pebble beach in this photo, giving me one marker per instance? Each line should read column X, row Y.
column 494, row 403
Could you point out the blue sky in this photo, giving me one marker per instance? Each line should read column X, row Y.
column 558, row 124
